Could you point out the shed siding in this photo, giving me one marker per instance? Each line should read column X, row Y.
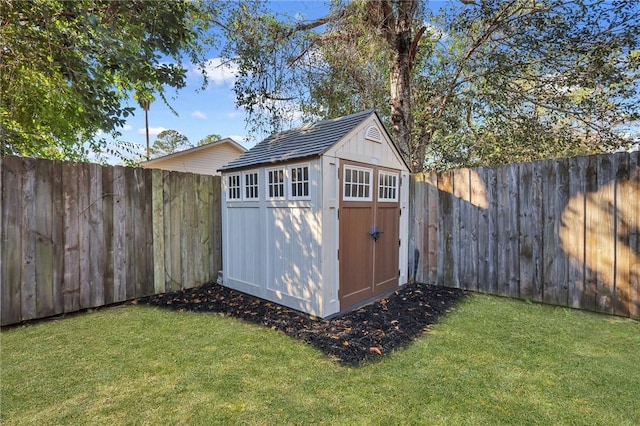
column 330, row 261
column 244, row 249
column 204, row 162
column 273, row 247
column 355, row 147
column 294, row 239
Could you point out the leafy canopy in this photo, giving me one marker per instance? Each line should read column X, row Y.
column 67, row 68
column 213, row 137
column 474, row 83
column 169, row 142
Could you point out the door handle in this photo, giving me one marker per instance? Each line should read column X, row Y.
column 375, row 233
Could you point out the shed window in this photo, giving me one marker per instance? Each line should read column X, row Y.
column 299, row 181
column 251, row 186
column 357, row 183
column 233, row 187
column 387, row 187
column 275, row 183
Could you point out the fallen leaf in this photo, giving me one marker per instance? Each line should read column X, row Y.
column 376, row 350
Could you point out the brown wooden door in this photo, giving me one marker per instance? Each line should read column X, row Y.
column 369, row 202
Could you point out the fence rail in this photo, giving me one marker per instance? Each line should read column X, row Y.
column 563, row 232
column 81, row 235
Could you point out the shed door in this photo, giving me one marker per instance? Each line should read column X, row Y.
column 369, row 231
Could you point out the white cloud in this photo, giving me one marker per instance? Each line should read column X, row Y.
column 199, row 114
column 127, row 127
column 219, row 71
column 152, row 131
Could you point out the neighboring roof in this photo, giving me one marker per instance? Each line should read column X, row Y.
column 306, row 141
column 210, row 145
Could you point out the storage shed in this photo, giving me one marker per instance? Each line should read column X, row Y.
column 316, row 218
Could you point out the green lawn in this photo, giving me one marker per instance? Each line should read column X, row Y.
column 491, row 361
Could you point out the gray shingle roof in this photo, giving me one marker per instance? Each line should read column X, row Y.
column 306, row 141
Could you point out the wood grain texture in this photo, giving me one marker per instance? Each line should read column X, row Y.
column 81, row 235
column 633, row 209
column 11, row 271
column 564, row 231
column 572, row 232
column 28, row 233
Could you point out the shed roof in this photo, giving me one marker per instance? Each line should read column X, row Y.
column 306, row 141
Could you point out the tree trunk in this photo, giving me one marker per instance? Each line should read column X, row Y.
column 395, row 18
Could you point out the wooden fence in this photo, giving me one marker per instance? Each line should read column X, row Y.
column 80, row 235
column 564, row 232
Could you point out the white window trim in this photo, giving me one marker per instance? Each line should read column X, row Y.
column 284, row 183
column 239, row 187
column 344, row 183
column 243, row 185
column 289, row 181
column 397, row 187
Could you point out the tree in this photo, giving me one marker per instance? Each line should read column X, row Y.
column 67, row 68
column 475, row 83
column 213, row 137
column 169, row 142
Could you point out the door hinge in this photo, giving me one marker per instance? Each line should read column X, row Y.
column 338, row 254
column 398, row 272
column 399, row 243
column 338, row 213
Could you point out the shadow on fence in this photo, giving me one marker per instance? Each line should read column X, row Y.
column 563, row 232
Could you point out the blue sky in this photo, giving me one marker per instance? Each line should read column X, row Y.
column 212, row 110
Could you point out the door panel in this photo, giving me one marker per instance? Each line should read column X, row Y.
column 386, row 248
column 356, row 252
column 368, row 267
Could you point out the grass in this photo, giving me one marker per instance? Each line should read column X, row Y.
column 491, row 361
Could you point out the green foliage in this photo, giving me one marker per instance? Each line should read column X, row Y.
column 169, row 142
column 68, row 67
column 520, row 80
column 213, row 137
column 491, row 82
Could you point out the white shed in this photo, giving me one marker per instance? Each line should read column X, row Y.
column 316, row 218
column 204, row 159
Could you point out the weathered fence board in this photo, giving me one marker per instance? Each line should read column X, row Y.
column 12, row 207
column 574, row 236
column 563, row 232
column 79, row 235
column 633, row 215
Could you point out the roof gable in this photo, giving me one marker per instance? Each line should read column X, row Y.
column 306, row 141
column 211, row 145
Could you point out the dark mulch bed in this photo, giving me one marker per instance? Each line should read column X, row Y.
column 367, row 333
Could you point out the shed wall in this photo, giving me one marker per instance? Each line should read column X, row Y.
column 272, row 248
column 356, row 147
